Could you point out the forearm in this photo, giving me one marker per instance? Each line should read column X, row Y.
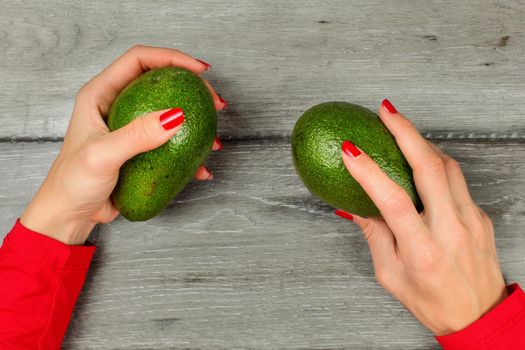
column 41, row 279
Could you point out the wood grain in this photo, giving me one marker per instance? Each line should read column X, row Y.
column 252, row 260
column 456, row 68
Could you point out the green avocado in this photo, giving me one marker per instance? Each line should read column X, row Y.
column 316, row 151
column 149, row 181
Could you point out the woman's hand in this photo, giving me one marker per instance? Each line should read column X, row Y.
column 441, row 264
column 76, row 193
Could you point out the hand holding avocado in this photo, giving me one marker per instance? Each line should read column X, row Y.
column 441, row 264
column 149, row 181
column 76, row 193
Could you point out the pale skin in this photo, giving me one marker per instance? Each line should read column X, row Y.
column 75, row 196
column 441, row 264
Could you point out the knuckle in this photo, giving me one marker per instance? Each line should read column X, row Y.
column 89, row 94
column 427, row 260
column 484, row 216
column 452, row 165
column 490, row 230
column 382, row 276
column 480, row 222
column 136, row 47
column 92, row 156
column 463, row 231
column 138, row 131
column 367, row 167
column 397, row 202
column 136, row 50
column 486, row 219
column 368, row 229
column 83, row 92
column 434, row 164
column 406, row 124
column 461, row 236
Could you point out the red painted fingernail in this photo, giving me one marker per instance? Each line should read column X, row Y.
column 172, row 118
column 210, row 175
column 223, row 101
column 389, row 106
column 206, row 65
column 344, row 215
column 219, row 143
column 350, row 149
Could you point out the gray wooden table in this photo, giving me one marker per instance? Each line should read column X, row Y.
column 251, row 260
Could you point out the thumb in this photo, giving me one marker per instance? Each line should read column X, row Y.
column 143, row 134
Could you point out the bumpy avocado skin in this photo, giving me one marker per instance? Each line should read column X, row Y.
column 316, row 153
column 149, row 181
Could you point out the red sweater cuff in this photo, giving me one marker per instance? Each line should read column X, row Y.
column 48, row 250
column 499, row 323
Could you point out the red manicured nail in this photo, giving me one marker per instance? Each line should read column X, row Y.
column 210, row 175
column 218, row 143
column 344, row 215
column 206, row 65
column 389, row 106
column 223, row 101
column 172, row 118
column 350, row 149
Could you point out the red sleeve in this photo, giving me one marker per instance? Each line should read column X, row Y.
column 501, row 328
column 40, row 279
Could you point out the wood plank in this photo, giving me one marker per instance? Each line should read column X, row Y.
column 456, row 68
column 251, row 260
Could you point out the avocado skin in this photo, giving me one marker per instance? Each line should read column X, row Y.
column 149, row 181
column 316, row 151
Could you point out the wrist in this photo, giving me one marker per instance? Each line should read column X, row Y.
column 452, row 325
column 57, row 224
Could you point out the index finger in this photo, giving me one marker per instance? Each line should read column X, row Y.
column 391, row 199
column 105, row 86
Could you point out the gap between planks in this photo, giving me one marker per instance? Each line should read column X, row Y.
column 499, row 140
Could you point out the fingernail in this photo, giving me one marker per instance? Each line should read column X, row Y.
column 172, row 118
column 344, row 215
column 223, row 101
column 219, row 143
column 210, row 175
column 350, row 149
column 389, row 106
column 206, row 65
